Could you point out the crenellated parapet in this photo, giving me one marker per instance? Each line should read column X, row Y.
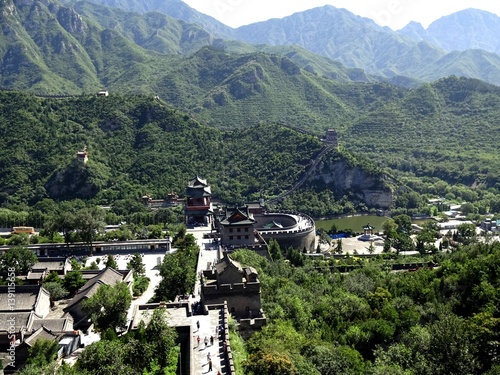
column 227, row 289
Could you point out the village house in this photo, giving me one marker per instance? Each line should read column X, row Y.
column 44, row 266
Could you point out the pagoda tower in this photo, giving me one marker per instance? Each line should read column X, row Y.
column 198, row 203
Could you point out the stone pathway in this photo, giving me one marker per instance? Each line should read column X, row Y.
column 207, row 323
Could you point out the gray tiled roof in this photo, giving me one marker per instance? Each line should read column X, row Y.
column 87, row 293
column 107, row 276
column 39, row 334
column 25, row 297
column 35, row 275
column 20, row 319
column 225, row 263
column 238, row 216
column 51, row 264
column 55, row 325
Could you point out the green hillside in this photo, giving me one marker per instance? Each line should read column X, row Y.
column 447, row 130
column 238, row 90
column 136, row 146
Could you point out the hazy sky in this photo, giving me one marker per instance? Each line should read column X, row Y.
column 393, row 13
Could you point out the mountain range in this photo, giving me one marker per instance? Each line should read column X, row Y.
column 463, row 44
column 54, row 48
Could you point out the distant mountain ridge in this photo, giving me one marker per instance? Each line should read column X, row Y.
column 359, row 42
column 463, row 30
column 411, row 54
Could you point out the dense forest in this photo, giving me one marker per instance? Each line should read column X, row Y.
column 373, row 321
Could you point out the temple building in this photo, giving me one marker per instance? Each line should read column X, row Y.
column 83, row 155
column 198, row 205
column 237, row 227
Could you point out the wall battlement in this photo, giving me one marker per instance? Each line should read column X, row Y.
column 237, row 288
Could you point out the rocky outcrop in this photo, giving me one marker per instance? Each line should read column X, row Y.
column 346, row 178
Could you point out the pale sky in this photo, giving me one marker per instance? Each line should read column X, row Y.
column 393, row 13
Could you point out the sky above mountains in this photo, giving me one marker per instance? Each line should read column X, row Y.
column 393, row 13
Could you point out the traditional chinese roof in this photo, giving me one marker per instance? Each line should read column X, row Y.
column 35, row 275
column 238, row 216
column 18, row 320
column 40, row 333
column 227, row 262
column 26, row 297
column 197, row 182
column 198, row 187
column 108, row 276
column 90, row 274
column 236, row 272
column 55, row 325
column 250, row 271
column 50, row 264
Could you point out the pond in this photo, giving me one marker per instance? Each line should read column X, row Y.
column 356, row 223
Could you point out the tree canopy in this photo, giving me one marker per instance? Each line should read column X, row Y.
column 108, row 307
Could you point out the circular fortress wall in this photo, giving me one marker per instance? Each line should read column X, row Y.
column 290, row 230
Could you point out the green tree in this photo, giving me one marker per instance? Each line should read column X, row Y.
column 403, row 242
column 108, row 307
column 89, row 222
column 333, row 229
column 338, row 360
column 43, row 352
column 177, row 276
column 73, row 281
column 75, row 264
column 274, row 250
column 18, row 258
column 466, row 233
column 21, row 239
column 53, row 277
column 137, row 265
column 62, row 221
column 162, row 338
column 109, row 357
column 93, row 266
column 338, row 248
column 111, row 262
column 451, row 348
column 403, row 223
column 270, row 363
column 56, row 290
column 324, row 238
column 371, row 248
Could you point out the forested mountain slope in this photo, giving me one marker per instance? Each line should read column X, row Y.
column 447, row 129
column 137, row 146
column 227, row 90
column 174, row 8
